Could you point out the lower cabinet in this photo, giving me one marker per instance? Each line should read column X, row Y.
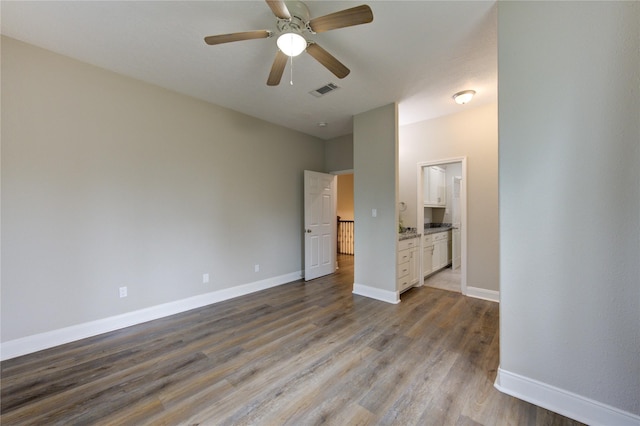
column 436, row 252
column 408, row 263
column 427, row 254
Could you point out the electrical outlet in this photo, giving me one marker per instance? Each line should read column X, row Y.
column 205, row 278
column 256, row 268
column 123, row 292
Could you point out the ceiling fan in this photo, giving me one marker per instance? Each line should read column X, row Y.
column 293, row 19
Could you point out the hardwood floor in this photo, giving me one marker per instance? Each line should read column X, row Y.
column 297, row 354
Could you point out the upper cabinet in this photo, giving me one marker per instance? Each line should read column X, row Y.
column 434, row 186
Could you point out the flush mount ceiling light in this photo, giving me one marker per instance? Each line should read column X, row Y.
column 463, row 97
column 291, row 44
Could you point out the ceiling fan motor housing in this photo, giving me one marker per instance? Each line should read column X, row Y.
column 300, row 17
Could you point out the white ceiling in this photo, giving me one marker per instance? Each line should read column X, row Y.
column 416, row 53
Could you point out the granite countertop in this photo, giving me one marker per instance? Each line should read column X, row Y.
column 408, row 233
column 437, row 227
column 432, row 228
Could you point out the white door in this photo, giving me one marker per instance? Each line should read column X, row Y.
column 455, row 243
column 320, row 224
column 455, row 249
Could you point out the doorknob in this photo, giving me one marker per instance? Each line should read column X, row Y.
column 308, row 231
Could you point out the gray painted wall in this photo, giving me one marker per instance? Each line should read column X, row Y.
column 109, row 182
column 569, row 114
column 375, row 146
column 472, row 133
column 338, row 154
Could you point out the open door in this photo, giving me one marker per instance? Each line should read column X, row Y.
column 455, row 242
column 320, row 224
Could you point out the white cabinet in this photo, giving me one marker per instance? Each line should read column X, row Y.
column 414, row 266
column 408, row 263
column 427, row 255
column 438, row 245
column 434, row 187
column 444, row 253
column 441, row 240
column 435, row 258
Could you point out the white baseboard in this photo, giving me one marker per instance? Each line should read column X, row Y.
column 376, row 293
column 568, row 404
column 49, row 339
column 483, row 293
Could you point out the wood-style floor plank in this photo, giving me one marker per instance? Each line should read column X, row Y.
column 297, row 354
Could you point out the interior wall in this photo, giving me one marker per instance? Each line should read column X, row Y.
column 375, row 146
column 345, row 196
column 109, row 182
column 338, row 154
column 570, row 201
column 472, row 133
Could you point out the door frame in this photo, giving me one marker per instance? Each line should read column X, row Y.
column 463, row 212
column 337, row 173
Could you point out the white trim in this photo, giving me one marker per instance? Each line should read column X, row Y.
column 49, row 339
column 483, row 293
column 376, row 293
column 563, row 402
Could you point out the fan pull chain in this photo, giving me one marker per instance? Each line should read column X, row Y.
column 291, row 78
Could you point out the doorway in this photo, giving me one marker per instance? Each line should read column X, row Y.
column 444, row 217
column 345, row 219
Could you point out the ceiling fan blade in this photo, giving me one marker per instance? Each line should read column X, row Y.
column 326, row 59
column 227, row 38
column 345, row 18
column 279, row 9
column 277, row 69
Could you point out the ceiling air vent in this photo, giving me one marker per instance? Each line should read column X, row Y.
column 321, row 91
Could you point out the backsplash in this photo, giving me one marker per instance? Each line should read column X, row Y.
column 436, row 225
column 434, row 215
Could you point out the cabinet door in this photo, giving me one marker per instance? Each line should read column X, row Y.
column 443, row 254
column 435, row 257
column 442, row 188
column 427, row 260
column 434, row 185
column 426, row 194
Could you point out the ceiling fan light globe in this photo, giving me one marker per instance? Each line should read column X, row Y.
column 291, row 44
